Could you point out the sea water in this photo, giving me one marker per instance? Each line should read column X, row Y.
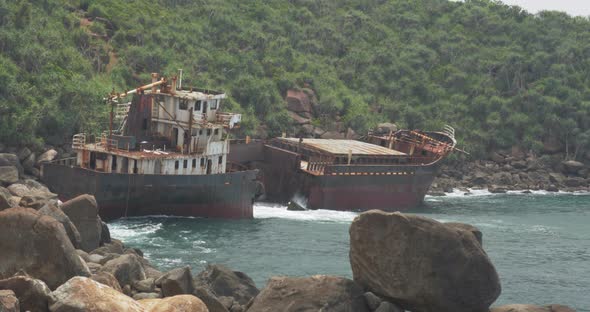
column 539, row 243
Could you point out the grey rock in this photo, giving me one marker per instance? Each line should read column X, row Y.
column 210, row 300
column 53, row 211
column 94, row 267
column 105, row 234
column 33, row 294
column 83, row 212
column 147, row 285
column 108, row 279
column 176, row 282
column 48, row 156
column 126, row 268
column 225, row 282
column 373, row 301
column 310, row 294
column 7, row 159
column 143, row 295
column 388, row 307
column 37, row 200
column 95, row 258
column 8, row 175
column 469, row 228
column 424, row 264
column 572, row 166
column 38, row 245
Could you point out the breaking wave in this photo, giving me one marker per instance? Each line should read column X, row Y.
column 268, row 211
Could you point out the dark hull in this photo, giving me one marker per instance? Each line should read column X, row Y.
column 228, row 195
column 366, row 192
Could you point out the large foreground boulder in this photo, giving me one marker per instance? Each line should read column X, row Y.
column 180, row 303
column 83, row 211
column 33, row 294
column 225, row 282
column 8, row 175
column 38, row 245
column 81, row 294
column 310, row 294
column 532, row 308
column 421, row 264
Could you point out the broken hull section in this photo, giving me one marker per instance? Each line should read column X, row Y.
column 228, row 195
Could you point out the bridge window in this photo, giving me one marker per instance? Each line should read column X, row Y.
column 216, row 131
column 176, row 164
column 202, row 162
column 208, row 132
column 220, row 161
column 183, row 104
column 194, row 163
column 185, row 164
column 198, row 106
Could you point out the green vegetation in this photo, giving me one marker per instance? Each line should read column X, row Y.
column 500, row 76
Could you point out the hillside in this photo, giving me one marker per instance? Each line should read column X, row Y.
column 500, row 76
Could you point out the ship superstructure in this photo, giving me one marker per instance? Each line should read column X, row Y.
column 166, row 137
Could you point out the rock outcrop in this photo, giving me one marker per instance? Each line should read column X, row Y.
column 8, row 175
column 310, row 294
column 225, row 282
column 108, row 279
column 83, row 212
column 33, row 294
column 38, row 245
column 421, row 263
column 81, row 294
column 180, row 303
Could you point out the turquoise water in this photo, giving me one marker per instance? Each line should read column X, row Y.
column 539, row 243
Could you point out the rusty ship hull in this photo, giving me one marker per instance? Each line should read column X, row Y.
column 229, row 195
column 320, row 175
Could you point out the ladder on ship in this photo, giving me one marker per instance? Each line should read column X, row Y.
column 121, row 113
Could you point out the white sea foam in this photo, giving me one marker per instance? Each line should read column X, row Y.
column 125, row 231
column 485, row 192
column 267, row 211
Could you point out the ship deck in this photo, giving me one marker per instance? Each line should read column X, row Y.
column 344, row 147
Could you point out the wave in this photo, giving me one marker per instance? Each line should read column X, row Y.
column 268, row 211
column 485, row 192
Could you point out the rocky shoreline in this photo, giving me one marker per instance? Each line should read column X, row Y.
column 60, row 257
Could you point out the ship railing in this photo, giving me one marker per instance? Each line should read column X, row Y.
column 448, row 130
column 228, row 119
column 79, row 140
column 370, row 170
column 122, row 110
column 317, row 167
column 105, row 142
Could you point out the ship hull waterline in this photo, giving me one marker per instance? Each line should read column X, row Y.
column 228, row 196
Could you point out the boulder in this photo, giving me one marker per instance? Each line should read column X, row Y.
column 373, row 301
column 36, row 186
column 334, row 135
column 147, row 285
column 532, row 308
column 33, row 294
column 8, row 301
column 299, row 102
column 8, row 175
column 105, row 234
column 307, row 294
column 479, row 178
column 225, row 282
column 53, row 211
column 37, row 200
column 81, row 294
column 127, row 269
column 108, row 279
column 386, row 128
column 39, row 245
column 572, row 166
column 494, row 189
column 142, row 295
column 83, row 212
column 176, row 282
column 29, row 163
column 210, row 300
column 574, row 182
column 94, row 267
column 497, row 157
column 519, row 164
column 351, row 134
column 556, row 178
column 297, row 119
column 18, row 189
column 180, row 303
column 4, row 198
column 469, row 228
column 11, row 160
column 424, row 264
column 23, row 153
column 48, row 156
column 388, row 307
